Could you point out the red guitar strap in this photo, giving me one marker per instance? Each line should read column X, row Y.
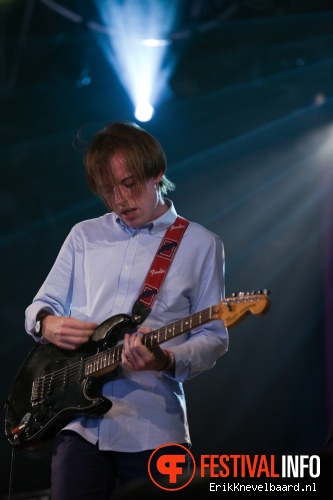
column 159, row 269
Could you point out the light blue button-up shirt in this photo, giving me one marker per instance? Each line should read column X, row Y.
column 98, row 273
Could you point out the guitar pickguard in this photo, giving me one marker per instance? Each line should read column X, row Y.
column 42, row 401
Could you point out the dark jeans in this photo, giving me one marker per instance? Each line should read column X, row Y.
column 80, row 471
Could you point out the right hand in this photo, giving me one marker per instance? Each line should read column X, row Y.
column 67, row 333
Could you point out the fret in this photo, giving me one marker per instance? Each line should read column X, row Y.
column 105, row 360
column 187, row 323
column 90, row 366
column 87, row 369
column 95, row 364
column 110, row 358
column 148, row 341
column 119, row 350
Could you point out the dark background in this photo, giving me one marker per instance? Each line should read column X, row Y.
column 247, row 126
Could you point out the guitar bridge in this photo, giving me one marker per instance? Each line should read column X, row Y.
column 40, row 389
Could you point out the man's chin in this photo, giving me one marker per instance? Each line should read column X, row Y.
column 130, row 218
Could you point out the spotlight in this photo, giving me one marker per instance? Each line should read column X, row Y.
column 142, row 63
column 144, row 112
column 153, row 42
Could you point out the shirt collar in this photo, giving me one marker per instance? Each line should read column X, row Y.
column 155, row 226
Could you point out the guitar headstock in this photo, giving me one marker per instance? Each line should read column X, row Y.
column 232, row 310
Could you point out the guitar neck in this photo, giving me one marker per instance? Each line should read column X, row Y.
column 105, row 361
column 231, row 310
column 177, row 328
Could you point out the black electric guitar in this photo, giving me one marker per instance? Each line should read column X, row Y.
column 54, row 385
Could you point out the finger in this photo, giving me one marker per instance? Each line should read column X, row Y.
column 76, row 324
column 144, row 330
column 126, row 349
column 63, row 326
column 126, row 342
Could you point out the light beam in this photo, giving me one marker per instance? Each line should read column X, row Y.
column 137, row 48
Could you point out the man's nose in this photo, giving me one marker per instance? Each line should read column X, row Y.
column 119, row 194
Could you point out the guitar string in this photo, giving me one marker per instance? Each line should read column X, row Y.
column 64, row 374
column 113, row 354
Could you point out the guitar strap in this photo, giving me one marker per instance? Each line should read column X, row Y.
column 158, row 270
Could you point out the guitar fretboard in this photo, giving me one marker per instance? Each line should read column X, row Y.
column 105, row 359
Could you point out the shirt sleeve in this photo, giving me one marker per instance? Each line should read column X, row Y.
column 209, row 342
column 55, row 293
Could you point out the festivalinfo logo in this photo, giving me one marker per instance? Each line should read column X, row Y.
column 171, row 471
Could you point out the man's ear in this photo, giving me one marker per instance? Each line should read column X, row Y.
column 158, row 177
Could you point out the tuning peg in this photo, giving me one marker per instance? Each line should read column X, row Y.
column 241, row 295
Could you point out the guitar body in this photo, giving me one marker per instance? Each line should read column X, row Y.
column 50, row 389
column 54, row 386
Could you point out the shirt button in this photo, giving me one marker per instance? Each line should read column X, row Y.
column 126, row 268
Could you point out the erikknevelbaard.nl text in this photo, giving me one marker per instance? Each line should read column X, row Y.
column 260, row 488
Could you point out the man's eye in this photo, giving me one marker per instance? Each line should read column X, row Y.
column 129, row 184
